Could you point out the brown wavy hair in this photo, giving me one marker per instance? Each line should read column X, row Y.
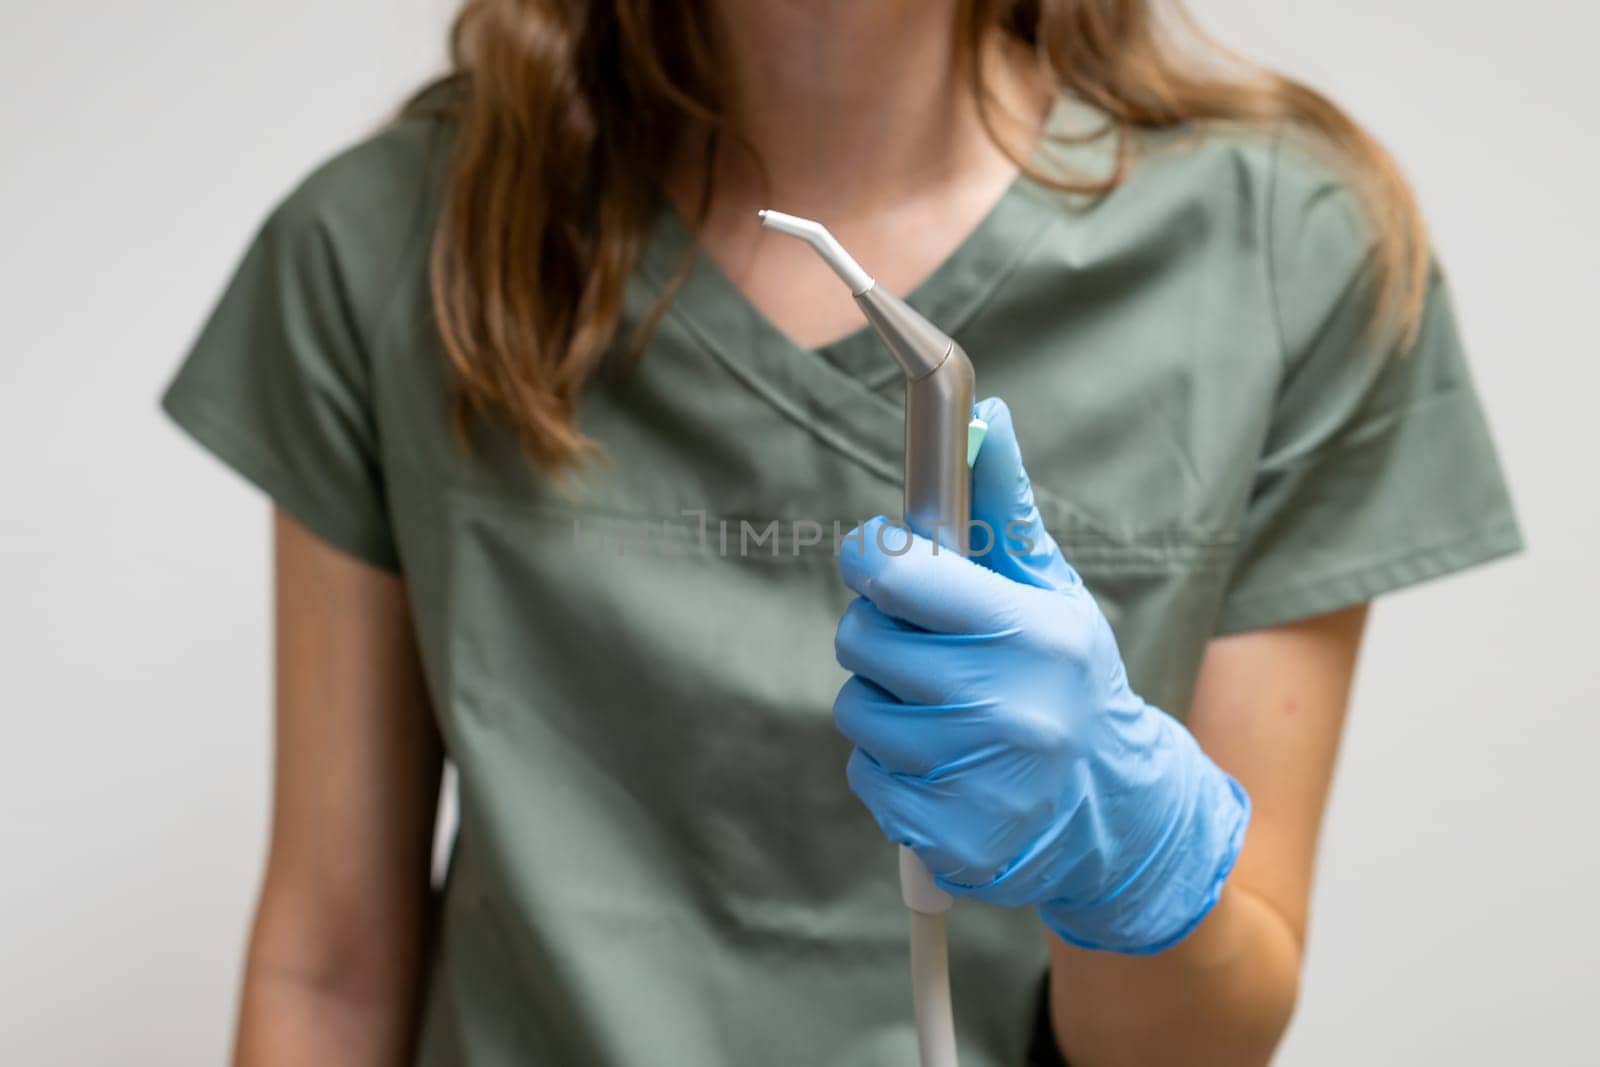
column 567, row 112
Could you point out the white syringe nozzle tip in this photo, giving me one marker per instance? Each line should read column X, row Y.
column 793, row 225
column 817, row 236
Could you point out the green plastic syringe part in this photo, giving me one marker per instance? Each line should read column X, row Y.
column 977, row 430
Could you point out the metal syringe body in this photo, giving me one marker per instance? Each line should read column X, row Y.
column 939, row 385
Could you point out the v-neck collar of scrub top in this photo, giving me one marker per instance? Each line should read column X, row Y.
column 839, row 391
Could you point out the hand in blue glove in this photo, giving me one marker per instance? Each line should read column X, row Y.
column 997, row 736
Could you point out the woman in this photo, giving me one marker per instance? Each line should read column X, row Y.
column 530, row 388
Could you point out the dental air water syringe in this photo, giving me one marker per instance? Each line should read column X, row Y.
column 942, row 438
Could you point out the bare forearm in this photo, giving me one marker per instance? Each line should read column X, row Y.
column 328, row 982
column 1223, row 996
column 293, row 1019
column 1269, row 708
column 336, row 952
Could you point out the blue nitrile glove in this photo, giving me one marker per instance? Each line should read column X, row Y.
column 997, row 736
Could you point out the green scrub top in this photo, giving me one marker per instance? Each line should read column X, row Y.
column 658, row 859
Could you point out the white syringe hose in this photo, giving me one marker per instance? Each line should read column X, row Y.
column 929, row 907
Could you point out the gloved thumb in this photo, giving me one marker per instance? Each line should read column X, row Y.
column 1006, row 521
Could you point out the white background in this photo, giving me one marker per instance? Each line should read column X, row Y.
column 141, row 143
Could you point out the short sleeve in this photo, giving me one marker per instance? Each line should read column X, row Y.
column 279, row 385
column 1377, row 470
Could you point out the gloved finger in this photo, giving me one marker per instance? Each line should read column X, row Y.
column 914, row 739
column 1021, row 882
column 938, row 590
column 933, row 816
column 909, row 810
column 913, row 665
column 1017, row 861
column 1007, row 525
